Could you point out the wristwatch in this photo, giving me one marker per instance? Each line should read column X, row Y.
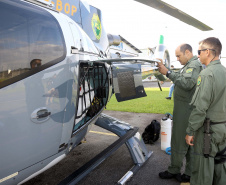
column 168, row 73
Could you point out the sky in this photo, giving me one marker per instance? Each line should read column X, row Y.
column 142, row 25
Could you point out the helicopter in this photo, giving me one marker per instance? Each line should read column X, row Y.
column 56, row 78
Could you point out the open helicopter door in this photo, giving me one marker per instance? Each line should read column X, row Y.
column 127, row 81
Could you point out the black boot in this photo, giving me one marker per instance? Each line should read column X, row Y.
column 168, row 98
column 185, row 178
column 167, row 175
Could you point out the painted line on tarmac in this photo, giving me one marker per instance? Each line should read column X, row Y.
column 103, row 133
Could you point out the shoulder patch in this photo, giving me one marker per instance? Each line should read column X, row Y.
column 189, row 70
column 199, row 80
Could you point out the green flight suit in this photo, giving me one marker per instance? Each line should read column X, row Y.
column 209, row 101
column 185, row 84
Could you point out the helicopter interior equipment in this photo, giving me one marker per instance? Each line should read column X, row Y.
column 55, row 81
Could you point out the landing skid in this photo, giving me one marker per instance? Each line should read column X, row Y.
column 128, row 135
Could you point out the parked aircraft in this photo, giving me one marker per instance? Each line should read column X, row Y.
column 55, row 80
column 151, row 72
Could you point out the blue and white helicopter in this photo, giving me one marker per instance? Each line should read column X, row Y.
column 56, row 77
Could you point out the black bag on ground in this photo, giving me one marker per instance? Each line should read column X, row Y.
column 151, row 132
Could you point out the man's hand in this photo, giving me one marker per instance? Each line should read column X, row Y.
column 162, row 68
column 189, row 140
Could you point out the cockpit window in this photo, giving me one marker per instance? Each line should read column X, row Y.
column 30, row 40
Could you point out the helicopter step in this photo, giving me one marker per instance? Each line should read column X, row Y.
column 128, row 135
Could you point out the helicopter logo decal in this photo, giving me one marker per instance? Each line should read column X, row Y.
column 96, row 26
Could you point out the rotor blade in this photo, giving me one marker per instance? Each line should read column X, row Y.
column 132, row 60
column 170, row 10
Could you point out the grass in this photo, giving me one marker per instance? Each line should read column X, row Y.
column 154, row 102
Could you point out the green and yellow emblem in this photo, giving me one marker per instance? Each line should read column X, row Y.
column 199, row 81
column 96, row 26
column 189, row 70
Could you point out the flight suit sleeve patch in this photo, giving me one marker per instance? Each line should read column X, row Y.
column 199, row 80
column 189, row 70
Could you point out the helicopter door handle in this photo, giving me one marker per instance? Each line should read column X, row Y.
column 45, row 114
column 40, row 115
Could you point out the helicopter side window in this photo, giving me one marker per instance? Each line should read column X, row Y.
column 81, row 40
column 88, row 43
column 30, row 41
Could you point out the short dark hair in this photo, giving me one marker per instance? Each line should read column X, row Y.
column 34, row 61
column 213, row 43
column 185, row 47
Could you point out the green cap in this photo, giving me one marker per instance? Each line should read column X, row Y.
column 161, row 40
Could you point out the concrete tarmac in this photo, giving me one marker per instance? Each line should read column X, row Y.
column 113, row 168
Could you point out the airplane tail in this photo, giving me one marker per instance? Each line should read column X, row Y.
column 162, row 52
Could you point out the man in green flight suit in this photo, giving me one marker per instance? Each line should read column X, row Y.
column 185, row 82
column 209, row 101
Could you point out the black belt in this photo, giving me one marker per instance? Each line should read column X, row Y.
column 215, row 123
